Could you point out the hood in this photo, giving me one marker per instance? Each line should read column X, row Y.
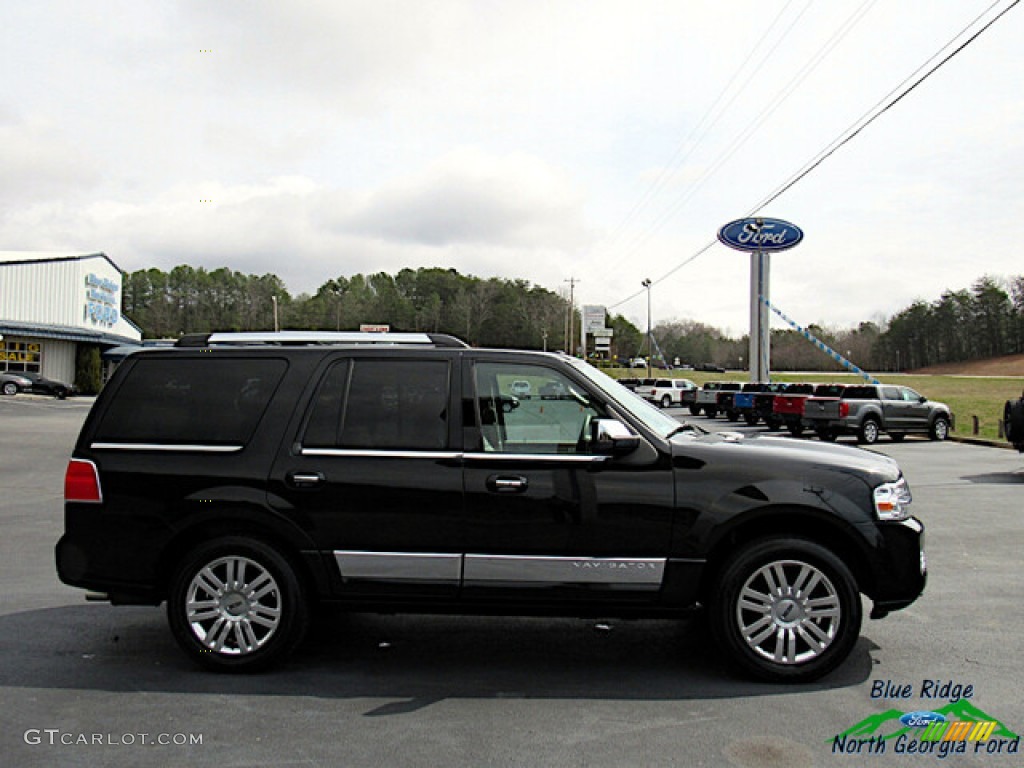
column 740, row 449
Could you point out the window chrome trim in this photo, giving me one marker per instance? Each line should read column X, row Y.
column 637, row 572
column 575, row 458
column 168, row 447
column 376, row 454
column 423, row 567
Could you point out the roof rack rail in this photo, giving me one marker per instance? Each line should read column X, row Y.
column 300, row 338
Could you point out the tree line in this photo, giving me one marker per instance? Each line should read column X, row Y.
column 986, row 320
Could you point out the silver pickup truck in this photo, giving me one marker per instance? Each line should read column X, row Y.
column 868, row 411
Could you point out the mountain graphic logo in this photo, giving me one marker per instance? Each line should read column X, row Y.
column 887, row 725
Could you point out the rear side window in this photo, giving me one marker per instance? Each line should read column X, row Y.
column 381, row 405
column 860, row 393
column 191, row 401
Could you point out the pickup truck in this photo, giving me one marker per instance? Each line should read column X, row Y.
column 707, row 397
column 868, row 411
column 669, row 392
column 1013, row 418
column 788, row 405
column 744, row 403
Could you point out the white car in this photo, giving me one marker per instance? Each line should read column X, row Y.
column 669, row 392
column 521, row 388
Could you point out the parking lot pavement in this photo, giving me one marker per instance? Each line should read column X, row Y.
column 90, row 684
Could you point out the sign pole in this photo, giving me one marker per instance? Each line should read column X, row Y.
column 759, row 237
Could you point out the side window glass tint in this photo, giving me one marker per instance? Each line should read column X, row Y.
column 554, row 417
column 892, row 393
column 325, row 417
column 192, row 401
column 393, row 404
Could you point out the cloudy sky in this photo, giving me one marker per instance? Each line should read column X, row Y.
column 601, row 141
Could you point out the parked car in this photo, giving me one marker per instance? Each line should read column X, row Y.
column 382, row 473
column 669, row 392
column 1013, row 420
column 638, row 362
column 13, row 383
column 37, row 384
column 644, row 388
column 787, row 407
column 521, row 388
column 706, row 401
column 867, row 411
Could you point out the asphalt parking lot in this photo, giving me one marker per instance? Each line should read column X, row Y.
column 89, row 684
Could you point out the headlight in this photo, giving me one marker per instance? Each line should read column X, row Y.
column 892, row 500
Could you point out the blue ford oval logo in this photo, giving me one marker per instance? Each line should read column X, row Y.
column 760, row 234
column 921, row 719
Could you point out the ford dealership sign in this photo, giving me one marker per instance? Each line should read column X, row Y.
column 760, row 234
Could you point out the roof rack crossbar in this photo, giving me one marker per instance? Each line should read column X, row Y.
column 316, row 337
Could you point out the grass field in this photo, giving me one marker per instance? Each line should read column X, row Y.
column 966, row 396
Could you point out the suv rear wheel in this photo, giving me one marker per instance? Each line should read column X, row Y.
column 236, row 604
column 787, row 610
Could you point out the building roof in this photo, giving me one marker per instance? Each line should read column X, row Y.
column 63, row 333
column 36, row 257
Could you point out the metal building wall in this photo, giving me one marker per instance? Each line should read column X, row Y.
column 48, row 293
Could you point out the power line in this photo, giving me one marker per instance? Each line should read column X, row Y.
column 750, row 130
column 676, row 161
column 854, row 130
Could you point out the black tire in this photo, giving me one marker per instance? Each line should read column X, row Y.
column 750, row 418
column 790, row 634
column 795, row 429
column 694, row 410
column 666, row 401
column 939, row 429
column 1013, row 420
column 10, row 388
column 869, row 431
column 711, row 413
column 252, row 622
column 826, row 435
column 732, row 415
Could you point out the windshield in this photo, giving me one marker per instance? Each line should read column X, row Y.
column 652, row 417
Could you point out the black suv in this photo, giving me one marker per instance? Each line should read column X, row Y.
column 242, row 477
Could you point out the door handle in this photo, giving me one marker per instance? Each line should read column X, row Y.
column 507, row 484
column 305, row 479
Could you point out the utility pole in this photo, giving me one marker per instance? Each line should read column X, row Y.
column 650, row 346
column 569, row 332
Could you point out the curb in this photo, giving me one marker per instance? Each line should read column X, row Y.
column 981, row 441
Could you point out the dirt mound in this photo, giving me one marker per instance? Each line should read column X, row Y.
column 1010, row 365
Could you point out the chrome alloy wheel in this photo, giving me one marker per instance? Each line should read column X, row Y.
column 233, row 606
column 788, row 612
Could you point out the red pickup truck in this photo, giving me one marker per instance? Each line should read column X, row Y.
column 788, row 407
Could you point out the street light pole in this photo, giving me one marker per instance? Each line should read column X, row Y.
column 650, row 347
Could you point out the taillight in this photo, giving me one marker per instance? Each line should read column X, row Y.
column 82, row 482
column 844, row 410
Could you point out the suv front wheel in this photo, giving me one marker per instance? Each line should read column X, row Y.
column 786, row 610
column 236, row 604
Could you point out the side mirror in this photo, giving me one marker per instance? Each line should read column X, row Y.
column 922, row 399
column 611, row 437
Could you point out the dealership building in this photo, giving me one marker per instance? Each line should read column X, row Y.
column 51, row 304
